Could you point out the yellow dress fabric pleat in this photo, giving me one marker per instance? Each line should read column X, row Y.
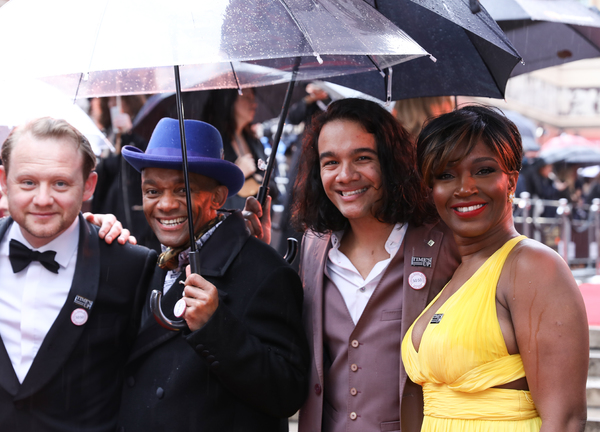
column 463, row 356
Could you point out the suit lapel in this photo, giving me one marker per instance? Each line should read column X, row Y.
column 151, row 333
column 64, row 335
column 313, row 279
column 8, row 377
column 420, row 242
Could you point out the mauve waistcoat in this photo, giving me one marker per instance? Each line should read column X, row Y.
column 362, row 362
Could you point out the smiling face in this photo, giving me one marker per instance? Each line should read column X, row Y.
column 471, row 195
column 350, row 169
column 45, row 186
column 165, row 207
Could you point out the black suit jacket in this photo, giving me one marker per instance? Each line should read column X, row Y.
column 246, row 369
column 75, row 380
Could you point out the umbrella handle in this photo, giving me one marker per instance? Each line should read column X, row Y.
column 156, row 295
column 292, row 250
column 160, row 316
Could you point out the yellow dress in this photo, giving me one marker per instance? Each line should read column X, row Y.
column 463, row 356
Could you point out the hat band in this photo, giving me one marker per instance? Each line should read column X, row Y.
column 169, row 151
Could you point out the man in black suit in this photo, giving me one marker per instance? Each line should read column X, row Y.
column 70, row 303
column 242, row 362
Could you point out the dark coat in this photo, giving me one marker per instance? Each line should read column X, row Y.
column 246, row 369
column 76, row 377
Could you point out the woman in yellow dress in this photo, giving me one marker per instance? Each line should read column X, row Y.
column 504, row 346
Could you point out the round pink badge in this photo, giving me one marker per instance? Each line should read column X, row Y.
column 79, row 316
column 417, row 280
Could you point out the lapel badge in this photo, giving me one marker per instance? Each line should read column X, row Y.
column 417, row 280
column 420, row 261
column 430, row 243
column 436, row 318
column 83, row 302
column 79, row 316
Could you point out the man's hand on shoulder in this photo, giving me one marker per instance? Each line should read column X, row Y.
column 201, row 300
column 110, row 228
column 258, row 220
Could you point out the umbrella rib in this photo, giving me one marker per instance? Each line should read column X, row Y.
column 497, row 32
column 237, row 80
column 302, row 29
column 381, row 72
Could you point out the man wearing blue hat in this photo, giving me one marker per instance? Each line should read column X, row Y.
column 242, row 364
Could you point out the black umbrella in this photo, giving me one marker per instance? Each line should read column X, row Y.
column 548, row 32
column 474, row 57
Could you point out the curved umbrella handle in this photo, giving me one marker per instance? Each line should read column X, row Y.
column 160, row 316
column 292, row 250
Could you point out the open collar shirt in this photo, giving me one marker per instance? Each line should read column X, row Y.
column 355, row 289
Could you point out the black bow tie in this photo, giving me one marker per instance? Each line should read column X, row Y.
column 21, row 256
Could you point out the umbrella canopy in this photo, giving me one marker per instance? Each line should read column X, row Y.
column 571, row 149
column 547, row 32
column 526, row 128
column 474, row 57
column 107, row 47
column 23, row 100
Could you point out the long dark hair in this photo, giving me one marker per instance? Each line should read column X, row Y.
column 218, row 111
column 405, row 198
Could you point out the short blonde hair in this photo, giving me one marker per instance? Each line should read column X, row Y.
column 47, row 127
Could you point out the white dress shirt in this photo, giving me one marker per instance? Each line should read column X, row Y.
column 355, row 290
column 31, row 300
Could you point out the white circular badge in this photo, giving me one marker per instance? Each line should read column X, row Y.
column 417, row 280
column 79, row 316
column 179, row 308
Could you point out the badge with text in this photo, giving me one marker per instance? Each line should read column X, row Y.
column 417, row 280
column 421, row 261
column 179, row 308
column 79, row 316
column 83, row 302
column 436, row 318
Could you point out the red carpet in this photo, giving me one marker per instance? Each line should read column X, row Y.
column 591, row 297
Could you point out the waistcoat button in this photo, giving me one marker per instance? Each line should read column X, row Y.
column 353, row 416
column 354, row 343
column 353, row 391
column 353, row 367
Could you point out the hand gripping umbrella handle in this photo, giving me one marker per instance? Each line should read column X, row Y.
column 156, row 295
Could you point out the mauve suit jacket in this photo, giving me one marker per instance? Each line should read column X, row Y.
column 74, row 383
column 434, row 241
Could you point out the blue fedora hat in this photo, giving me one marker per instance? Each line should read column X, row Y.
column 204, row 152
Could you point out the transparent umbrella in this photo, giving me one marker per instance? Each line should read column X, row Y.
column 22, row 100
column 548, row 32
column 108, row 47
